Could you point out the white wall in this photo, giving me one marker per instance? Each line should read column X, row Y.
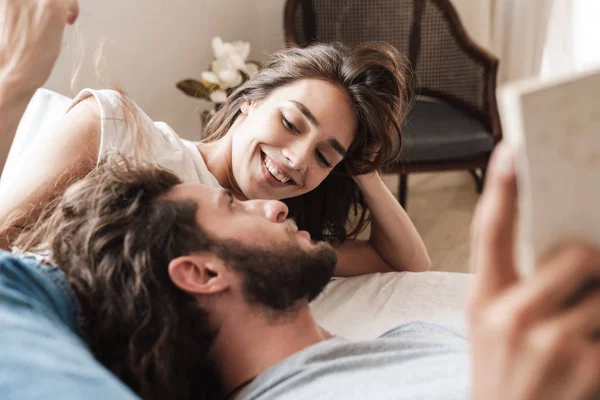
column 152, row 44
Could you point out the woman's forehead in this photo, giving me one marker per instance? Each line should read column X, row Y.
column 329, row 103
column 317, row 90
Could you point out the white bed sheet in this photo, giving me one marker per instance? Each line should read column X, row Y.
column 367, row 306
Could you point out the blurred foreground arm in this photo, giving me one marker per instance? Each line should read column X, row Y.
column 530, row 339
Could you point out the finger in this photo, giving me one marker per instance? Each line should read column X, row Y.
column 558, row 279
column 493, row 226
column 72, row 11
column 587, row 374
column 583, row 317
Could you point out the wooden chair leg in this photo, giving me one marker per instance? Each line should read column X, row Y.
column 483, row 173
column 478, row 178
column 402, row 189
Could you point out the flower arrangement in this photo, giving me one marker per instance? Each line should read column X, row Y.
column 229, row 69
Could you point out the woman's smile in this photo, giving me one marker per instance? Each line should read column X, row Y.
column 274, row 173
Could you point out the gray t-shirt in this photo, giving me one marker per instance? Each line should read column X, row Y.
column 413, row 361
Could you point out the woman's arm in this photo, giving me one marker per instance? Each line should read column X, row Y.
column 30, row 41
column 394, row 243
column 49, row 165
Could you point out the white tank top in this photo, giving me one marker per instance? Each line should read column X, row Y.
column 167, row 149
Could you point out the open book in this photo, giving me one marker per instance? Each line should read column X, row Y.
column 555, row 126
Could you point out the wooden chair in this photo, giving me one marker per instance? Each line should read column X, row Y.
column 454, row 124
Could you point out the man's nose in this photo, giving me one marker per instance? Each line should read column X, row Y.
column 273, row 210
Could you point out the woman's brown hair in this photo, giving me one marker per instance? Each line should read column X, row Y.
column 379, row 84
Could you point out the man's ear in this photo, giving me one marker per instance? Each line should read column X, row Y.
column 199, row 273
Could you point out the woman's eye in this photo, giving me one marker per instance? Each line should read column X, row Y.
column 323, row 160
column 288, row 125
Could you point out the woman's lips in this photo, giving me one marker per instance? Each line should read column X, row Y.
column 271, row 180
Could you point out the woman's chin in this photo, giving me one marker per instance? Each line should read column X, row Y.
column 255, row 192
column 258, row 188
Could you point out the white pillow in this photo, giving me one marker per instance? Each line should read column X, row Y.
column 44, row 110
column 367, row 306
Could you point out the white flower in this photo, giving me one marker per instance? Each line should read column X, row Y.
column 230, row 78
column 218, row 47
column 210, row 77
column 233, row 61
column 224, row 49
column 218, row 96
column 242, row 49
column 251, row 69
column 227, row 69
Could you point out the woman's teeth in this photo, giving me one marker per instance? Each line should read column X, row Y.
column 274, row 171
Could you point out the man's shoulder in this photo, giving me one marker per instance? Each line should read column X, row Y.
column 29, row 281
column 424, row 329
column 403, row 361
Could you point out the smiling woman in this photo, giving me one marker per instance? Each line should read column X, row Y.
column 305, row 128
column 286, row 145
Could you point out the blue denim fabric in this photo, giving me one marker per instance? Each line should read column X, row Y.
column 41, row 354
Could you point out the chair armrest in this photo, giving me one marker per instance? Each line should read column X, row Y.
column 289, row 28
column 483, row 57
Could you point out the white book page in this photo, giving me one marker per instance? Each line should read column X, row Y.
column 555, row 127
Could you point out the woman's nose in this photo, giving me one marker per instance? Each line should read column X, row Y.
column 298, row 154
column 273, row 210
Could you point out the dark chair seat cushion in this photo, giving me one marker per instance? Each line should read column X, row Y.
column 436, row 131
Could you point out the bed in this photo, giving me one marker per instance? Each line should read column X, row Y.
column 356, row 308
column 367, row 306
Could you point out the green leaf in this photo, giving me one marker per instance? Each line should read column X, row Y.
column 194, row 88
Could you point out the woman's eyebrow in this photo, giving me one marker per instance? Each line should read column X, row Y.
column 331, row 141
column 304, row 110
column 337, row 146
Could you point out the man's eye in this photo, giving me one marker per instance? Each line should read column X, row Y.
column 323, row 160
column 288, row 125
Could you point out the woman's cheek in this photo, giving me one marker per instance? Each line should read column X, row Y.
column 313, row 181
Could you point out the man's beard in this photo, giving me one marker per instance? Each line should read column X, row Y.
column 279, row 278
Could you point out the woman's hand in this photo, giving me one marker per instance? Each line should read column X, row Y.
column 528, row 340
column 363, row 180
column 394, row 243
column 30, row 39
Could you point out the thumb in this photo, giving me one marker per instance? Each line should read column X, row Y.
column 492, row 244
column 72, row 11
